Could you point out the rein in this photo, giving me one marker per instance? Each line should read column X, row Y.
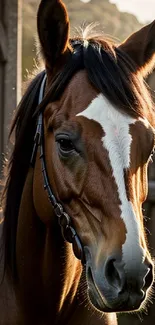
column 64, row 220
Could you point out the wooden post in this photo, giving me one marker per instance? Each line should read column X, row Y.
column 10, row 65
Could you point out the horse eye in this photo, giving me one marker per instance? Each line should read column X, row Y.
column 65, row 144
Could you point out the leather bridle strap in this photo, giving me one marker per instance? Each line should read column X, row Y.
column 68, row 231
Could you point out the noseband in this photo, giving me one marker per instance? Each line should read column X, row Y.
column 67, row 229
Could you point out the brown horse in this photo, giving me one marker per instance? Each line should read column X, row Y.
column 74, row 243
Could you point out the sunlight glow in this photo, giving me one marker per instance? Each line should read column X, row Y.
column 143, row 9
column 85, row 1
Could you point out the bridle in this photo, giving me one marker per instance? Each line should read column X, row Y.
column 64, row 220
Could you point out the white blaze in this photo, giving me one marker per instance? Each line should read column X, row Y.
column 117, row 141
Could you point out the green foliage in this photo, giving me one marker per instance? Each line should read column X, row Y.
column 112, row 21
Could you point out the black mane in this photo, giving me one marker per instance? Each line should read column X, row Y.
column 111, row 71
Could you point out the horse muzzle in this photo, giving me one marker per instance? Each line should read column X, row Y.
column 111, row 288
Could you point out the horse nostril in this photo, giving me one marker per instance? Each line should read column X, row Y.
column 148, row 278
column 114, row 273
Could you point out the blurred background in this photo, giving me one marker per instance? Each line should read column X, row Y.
column 112, row 21
column 109, row 14
column 117, row 18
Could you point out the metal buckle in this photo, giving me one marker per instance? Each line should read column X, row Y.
column 64, row 220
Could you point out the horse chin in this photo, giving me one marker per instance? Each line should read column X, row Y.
column 99, row 303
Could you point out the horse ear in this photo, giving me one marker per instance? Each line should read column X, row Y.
column 53, row 30
column 140, row 46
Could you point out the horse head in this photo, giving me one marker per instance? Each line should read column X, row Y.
column 98, row 138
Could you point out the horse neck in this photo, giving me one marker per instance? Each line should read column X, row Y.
column 48, row 273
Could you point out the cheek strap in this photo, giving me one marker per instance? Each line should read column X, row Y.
column 64, row 220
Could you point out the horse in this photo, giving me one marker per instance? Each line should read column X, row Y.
column 74, row 249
